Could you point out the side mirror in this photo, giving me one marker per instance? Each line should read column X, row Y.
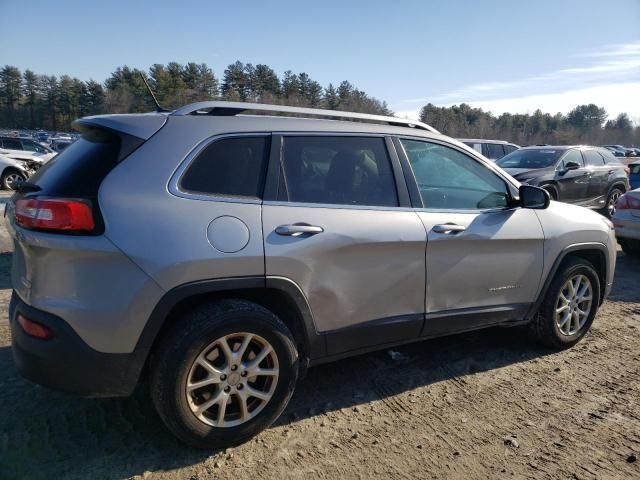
column 534, row 197
column 571, row 166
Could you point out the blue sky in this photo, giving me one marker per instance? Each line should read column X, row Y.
column 501, row 55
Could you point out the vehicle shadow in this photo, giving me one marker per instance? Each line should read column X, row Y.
column 5, row 269
column 627, row 275
column 45, row 434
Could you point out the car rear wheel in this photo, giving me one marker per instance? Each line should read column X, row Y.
column 224, row 372
column 11, row 178
column 630, row 246
column 612, row 199
column 569, row 306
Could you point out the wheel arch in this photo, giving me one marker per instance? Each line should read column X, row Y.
column 550, row 184
column 620, row 184
column 594, row 252
column 279, row 295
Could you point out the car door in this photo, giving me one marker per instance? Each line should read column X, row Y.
column 484, row 260
column 599, row 173
column 573, row 185
column 342, row 230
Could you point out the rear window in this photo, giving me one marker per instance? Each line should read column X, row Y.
column 230, row 166
column 338, row 171
column 591, row 157
column 79, row 170
column 495, row 151
column 510, row 148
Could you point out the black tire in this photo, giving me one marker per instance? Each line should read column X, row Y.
column 9, row 176
column 612, row 198
column 187, row 338
column 630, row 246
column 544, row 325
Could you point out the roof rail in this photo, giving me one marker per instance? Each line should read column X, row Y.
column 235, row 108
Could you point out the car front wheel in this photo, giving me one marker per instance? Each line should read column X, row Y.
column 569, row 306
column 11, row 178
column 224, row 372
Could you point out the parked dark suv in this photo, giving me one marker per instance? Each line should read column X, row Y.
column 586, row 176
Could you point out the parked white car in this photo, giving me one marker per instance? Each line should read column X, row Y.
column 25, row 149
column 13, row 171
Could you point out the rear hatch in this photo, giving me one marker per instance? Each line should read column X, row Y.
column 55, row 218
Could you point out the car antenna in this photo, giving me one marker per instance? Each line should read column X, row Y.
column 155, row 100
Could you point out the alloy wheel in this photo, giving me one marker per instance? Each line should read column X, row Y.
column 232, row 380
column 573, row 305
column 12, row 179
column 613, row 199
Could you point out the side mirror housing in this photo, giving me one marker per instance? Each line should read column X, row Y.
column 534, row 197
column 571, row 166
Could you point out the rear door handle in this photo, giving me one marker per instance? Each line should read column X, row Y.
column 449, row 228
column 297, row 229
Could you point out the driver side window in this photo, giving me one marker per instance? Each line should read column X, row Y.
column 448, row 179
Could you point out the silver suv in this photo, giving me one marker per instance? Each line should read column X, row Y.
column 219, row 252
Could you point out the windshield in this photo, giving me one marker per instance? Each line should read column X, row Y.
column 538, row 158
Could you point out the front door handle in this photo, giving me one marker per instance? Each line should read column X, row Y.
column 449, row 228
column 297, row 229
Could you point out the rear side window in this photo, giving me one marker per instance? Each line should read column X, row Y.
column 592, row 157
column 337, row 170
column 230, row 166
column 635, row 169
column 495, row 151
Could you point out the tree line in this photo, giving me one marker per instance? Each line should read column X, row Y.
column 30, row 100
column 585, row 124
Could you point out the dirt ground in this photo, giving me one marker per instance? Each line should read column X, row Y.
column 482, row 405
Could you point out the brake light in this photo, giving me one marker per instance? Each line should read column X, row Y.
column 627, row 202
column 54, row 215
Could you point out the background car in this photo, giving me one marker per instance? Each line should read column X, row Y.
column 12, row 172
column 492, row 149
column 634, row 174
column 627, row 152
column 25, row 149
column 626, row 221
column 581, row 175
column 60, row 144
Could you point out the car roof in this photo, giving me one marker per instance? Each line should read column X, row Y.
column 243, row 117
column 481, row 140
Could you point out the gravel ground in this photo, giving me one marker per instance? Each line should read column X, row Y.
column 483, row 405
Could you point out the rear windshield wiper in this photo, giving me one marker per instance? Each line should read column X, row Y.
column 26, row 187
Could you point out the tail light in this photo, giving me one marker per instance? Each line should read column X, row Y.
column 627, row 202
column 66, row 215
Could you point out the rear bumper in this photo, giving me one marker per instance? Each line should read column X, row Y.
column 627, row 226
column 66, row 362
